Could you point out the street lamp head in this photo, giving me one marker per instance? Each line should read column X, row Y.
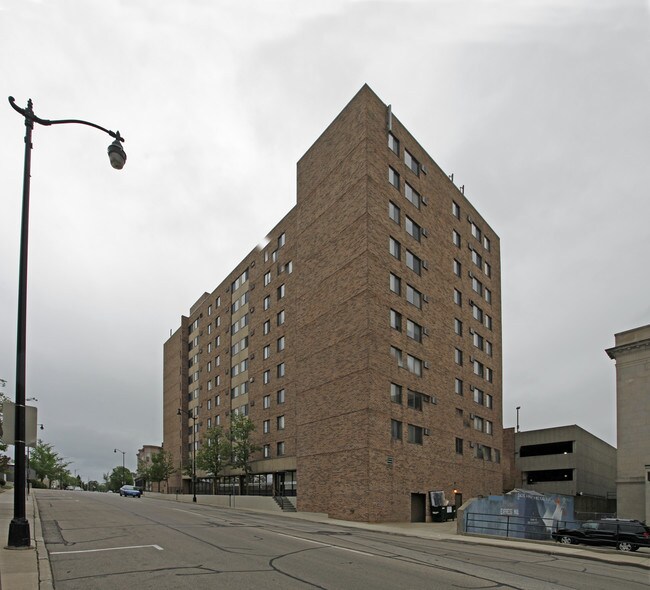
column 116, row 153
column 115, row 450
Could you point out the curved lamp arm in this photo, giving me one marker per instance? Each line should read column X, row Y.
column 116, row 152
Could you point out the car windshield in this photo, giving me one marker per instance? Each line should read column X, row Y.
column 128, row 488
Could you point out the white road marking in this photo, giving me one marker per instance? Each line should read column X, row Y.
column 192, row 513
column 158, row 547
column 326, row 544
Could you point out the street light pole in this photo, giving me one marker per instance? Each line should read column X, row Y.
column 19, row 533
column 123, row 468
column 193, row 417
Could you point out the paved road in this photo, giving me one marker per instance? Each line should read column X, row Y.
column 99, row 541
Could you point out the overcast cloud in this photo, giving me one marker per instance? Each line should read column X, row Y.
column 539, row 108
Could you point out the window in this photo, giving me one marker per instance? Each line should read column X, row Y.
column 209, row 366
column 477, row 286
column 455, row 238
column 414, row 365
column 393, row 177
column 412, row 195
column 487, row 269
column 396, row 353
column 477, row 313
column 274, row 255
column 267, row 451
column 267, row 302
column 267, row 278
column 458, row 297
column 395, row 284
column 413, row 330
column 282, row 239
column 280, row 370
column 210, row 385
column 394, row 248
column 488, row 295
column 396, row 393
column 412, row 228
column 459, row 446
column 266, row 426
column 477, row 259
column 288, row 267
column 281, row 291
column 478, row 368
column 395, row 320
column 209, row 423
column 415, row 434
column 455, row 209
column 267, row 352
column 497, row 456
column 394, row 212
column 280, row 422
column 416, row 399
column 239, row 324
column 458, row 326
column 239, row 346
column 209, row 347
column 487, row 322
column 209, row 309
column 217, row 303
column 486, row 243
column 488, row 347
column 477, row 340
column 238, row 282
column 267, row 326
column 413, row 296
column 280, row 318
column 396, row 430
column 489, row 375
column 457, row 267
column 266, row 376
column 458, row 356
column 458, row 386
column 280, row 449
column 479, row 396
column 280, row 396
column 266, row 402
column 478, row 423
column 411, row 162
column 476, row 232
column 218, row 420
column 413, row 262
column 280, row 344
column 393, row 143
column 217, row 400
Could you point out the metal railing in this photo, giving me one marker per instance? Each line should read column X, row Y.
column 520, row 527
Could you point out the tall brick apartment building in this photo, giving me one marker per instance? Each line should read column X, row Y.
column 364, row 340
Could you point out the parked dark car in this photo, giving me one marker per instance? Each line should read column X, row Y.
column 130, row 491
column 625, row 535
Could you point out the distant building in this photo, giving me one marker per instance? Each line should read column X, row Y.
column 632, row 356
column 565, row 460
column 144, row 456
column 364, row 341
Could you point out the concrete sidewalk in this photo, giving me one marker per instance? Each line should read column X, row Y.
column 29, row 569
column 23, row 569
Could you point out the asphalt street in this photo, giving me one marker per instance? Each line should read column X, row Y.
column 98, row 541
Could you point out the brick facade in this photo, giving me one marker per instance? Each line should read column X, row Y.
column 338, row 363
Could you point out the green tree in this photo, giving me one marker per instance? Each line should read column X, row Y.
column 117, row 478
column 47, row 463
column 243, row 448
column 144, row 472
column 214, row 455
column 162, row 466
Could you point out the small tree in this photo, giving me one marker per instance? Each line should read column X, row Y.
column 243, row 448
column 117, row 477
column 213, row 456
column 47, row 463
column 4, row 459
column 144, row 472
column 162, row 466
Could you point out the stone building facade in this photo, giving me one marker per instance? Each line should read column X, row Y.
column 632, row 356
column 364, row 341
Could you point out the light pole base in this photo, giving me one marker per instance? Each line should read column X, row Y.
column 19, row 537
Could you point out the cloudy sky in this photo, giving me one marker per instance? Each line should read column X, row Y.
column 540, row 108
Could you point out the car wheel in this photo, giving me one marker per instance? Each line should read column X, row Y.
column 566, row 540
column 625, row 546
